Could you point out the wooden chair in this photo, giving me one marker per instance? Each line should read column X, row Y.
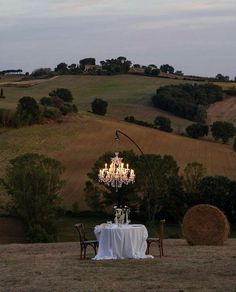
column 84, row 243
column 158, row 240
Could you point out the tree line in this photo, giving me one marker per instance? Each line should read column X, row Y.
column 188, row 101
column 171, row 193
column 168, row 195
column 119, row 65
column 29, row 111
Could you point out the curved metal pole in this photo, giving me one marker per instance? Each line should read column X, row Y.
column 146, row 161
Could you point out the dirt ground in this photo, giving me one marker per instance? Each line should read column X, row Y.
column 57, row 267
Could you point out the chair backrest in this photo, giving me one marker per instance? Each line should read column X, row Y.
column 161, row 228
column 80, row 228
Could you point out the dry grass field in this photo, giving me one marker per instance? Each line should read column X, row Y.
column 226, row 85
column 224, row 110
column 57, row 267
column 81, row 139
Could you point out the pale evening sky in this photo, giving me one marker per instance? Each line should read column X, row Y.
column 196, row 36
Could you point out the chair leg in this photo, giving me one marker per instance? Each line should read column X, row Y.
column 85, row 247
column 95, row 248
column 81, row 251
column 148, row 247
column 161, row 248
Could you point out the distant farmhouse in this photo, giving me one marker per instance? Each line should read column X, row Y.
column 90, row 68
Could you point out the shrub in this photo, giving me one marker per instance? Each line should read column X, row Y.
column 99, row 106
column 7, row 118
column 75, row 108
column 57, row 102
column 28, row 111
column 63, row 93
column 131, row 119
column 46, row 101
column 197, row 130
column 66, row 108
column 52, row 113
column 163, row 123
column 223, row 131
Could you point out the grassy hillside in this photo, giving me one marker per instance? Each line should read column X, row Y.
column 126, row 94
column 80, row 140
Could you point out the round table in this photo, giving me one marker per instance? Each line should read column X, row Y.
column 121, row 241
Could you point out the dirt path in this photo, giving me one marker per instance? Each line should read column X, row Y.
column 57, row 267
column 27, row 83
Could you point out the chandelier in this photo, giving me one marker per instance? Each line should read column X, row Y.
column 116, row 174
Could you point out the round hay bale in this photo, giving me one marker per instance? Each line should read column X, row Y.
column 205, row 225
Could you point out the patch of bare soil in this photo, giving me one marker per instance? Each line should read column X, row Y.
column 224, row 110
column 57, row 267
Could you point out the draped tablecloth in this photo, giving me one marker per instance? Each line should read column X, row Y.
column 121, row 241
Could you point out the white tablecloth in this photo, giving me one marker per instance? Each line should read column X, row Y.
column 120, row 242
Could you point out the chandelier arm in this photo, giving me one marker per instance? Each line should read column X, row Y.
column 146, row 161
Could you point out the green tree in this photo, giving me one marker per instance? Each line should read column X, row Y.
column 61, row 68
column 162, row 188
column 197, row 130
column 41, row 72
column 193, row 173
column 33, row 182
column 167, row 68
column 93, row 197
column 163, row 123
column 99, row 106
column 63, row 93
column 223, row 131
column 87, row 61
column 221, row 77
column 201, row 114
column 119, row 65
column 158, row 195
column 74, row 69
column 155, row 72
column 220, row 192
column 46, row 101
column 28, row 111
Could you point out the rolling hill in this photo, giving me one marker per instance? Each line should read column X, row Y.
column 126, row 94
column 82, row 138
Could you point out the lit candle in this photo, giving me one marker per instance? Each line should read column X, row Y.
column 127, row 165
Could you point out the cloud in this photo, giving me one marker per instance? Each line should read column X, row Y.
column 196, row 36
